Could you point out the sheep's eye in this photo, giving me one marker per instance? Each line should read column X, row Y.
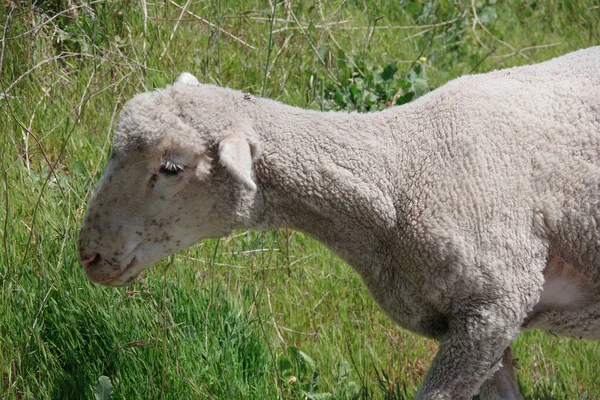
column 169, row 168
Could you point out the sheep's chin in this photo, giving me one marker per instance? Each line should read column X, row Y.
column 120, row 281
column 127, row 275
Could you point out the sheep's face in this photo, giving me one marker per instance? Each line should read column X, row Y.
column 166, row 186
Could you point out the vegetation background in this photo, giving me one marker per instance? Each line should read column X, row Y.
column 255, row 315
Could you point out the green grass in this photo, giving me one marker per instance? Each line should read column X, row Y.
column 257, row 315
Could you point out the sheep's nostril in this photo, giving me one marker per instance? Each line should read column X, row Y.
column 91, row 261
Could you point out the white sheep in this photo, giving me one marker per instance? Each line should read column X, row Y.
column 471, row 213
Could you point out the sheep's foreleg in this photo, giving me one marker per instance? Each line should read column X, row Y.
column 471, row 351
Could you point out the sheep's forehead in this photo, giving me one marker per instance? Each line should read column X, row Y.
column 152, row 122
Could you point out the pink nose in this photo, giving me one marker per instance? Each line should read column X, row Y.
column 89, row 262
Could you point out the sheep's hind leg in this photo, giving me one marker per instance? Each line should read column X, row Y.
column 581, row 323
column 569, row 304
column 503, row 384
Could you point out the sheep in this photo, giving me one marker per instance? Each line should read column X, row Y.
column 471, row 214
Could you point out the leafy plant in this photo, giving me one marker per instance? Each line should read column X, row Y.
column 365, row 87
column 299, row 374
column 300, row 377
column 77, row 28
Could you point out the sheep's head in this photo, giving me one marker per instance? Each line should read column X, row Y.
column 180, row 171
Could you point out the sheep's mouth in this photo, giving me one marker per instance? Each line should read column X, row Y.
column 116, row 281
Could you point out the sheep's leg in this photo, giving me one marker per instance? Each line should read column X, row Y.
column 503, row 384
column 471, row 351
column 581, row 323
column 569, row 304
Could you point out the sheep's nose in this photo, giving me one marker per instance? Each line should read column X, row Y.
column 90, row 261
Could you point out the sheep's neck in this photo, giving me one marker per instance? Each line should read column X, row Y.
column 331, row 175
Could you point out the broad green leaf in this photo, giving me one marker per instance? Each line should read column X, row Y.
column 339, row 99
column 322, row 51
column 301, row 357
column 79, row 167
column 343, row 369
column 405, row 98
column 285, row 366
column 103, row 389
column 389, row 71
column 352, row 390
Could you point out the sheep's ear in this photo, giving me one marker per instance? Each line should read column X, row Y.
column 187, row 79
column 235, row 154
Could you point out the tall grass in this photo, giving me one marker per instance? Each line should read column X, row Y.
column 255, row 315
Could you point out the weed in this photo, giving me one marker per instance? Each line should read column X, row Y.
column 365, row 87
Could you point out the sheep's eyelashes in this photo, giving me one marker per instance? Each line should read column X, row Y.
column 169, row 168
